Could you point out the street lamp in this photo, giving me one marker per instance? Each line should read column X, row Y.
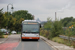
column 11, row 8
column 55, row 16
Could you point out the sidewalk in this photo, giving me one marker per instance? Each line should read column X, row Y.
column 2, row 40
column 57, row 46
column 12, row 37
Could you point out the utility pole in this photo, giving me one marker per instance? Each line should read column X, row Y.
column 11, row 7
column 55, row 16
column 8, row 12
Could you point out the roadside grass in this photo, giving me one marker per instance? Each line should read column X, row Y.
column 19, row 33
column 58, row 39
column 1, row 34
column 64, row 41
column 10, row 33
column 5, row 36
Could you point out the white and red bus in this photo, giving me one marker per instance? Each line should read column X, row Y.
column 30, row 30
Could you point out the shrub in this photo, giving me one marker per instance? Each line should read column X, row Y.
column 57, row 39
column 56, row 29
column 41, row 32
column 1, row 34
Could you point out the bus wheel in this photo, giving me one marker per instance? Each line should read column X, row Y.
column 36, row 39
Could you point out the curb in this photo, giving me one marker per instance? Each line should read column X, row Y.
column 5, row 40
column 1, row 42
column 47, row 41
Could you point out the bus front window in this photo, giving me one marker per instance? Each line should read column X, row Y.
column 30, row 28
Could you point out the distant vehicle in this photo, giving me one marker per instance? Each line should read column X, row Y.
column 4, row 31
column 13, row 32
column 30, row 30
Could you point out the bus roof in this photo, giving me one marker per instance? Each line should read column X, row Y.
column 29, row 21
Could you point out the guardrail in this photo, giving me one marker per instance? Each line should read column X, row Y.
column 65, row 37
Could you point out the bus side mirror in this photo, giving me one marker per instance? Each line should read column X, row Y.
column 40, row 25
column 21, row 25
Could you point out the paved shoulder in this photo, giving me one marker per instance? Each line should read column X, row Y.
column 10, row 43
column 56, row 45
column 3, row 40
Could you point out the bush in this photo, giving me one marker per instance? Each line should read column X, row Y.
column 1, row 34
column 64, row 41
column 45, row 33
column 57, row 39
column 56, row 29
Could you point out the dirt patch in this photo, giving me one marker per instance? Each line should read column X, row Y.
column 5, row 36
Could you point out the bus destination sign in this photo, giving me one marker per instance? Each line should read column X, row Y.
column 30, row 23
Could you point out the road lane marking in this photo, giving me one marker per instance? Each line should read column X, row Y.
column 2, row 42
column 37, row 45
column 50, row 45
column 22, row 46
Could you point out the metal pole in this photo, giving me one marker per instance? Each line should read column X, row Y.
column 11, row 7
column 8, row 12
column 7, row 15
column 55, row 16
column 7, row 9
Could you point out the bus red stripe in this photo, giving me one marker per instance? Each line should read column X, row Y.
column 30, row 37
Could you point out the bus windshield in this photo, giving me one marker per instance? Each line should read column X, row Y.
column 30, row 28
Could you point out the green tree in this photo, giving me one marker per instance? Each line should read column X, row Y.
column 70, row 32
column 56, row 29
column 73, row 23
column 6, row 20
column 1, row 17
column 22, row 14
column 48, row 25
column 18, row 24
column 1, row 20
column 66, row 21
column 13, row 21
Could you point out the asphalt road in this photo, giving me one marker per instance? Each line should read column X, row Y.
column 13, row 38
column 13, row 43
column 33, row 45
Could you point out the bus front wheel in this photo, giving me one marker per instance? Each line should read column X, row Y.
column 21, row 39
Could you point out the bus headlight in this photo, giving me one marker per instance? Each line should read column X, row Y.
column 23, row 35
column 37, row 35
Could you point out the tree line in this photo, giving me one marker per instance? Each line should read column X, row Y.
column 59, row 27
column 12, row 21
column 64, row 27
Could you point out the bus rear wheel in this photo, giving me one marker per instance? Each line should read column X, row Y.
column 36, row 39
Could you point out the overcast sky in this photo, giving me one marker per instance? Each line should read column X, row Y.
column 42, row 9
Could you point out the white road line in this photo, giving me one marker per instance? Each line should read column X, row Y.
column 2, row 42
column 17, row 45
